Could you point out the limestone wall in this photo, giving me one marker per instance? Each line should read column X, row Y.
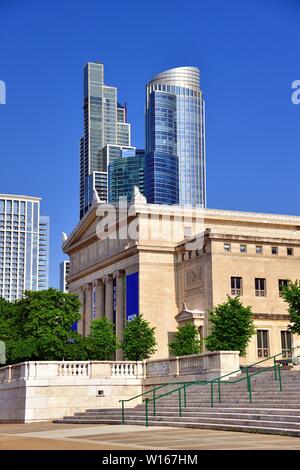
column 43, row 391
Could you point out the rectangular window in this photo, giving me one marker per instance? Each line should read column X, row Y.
column 236, row 286
column 274, row 250
column 290, row 251
column 227, row 247
column 260, row 287
column 259, row 249
column 187, row 232
column 286, row 344
column 282, row 283
column 243, row 248
column 263, row 343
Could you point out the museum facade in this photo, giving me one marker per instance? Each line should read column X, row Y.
column 173, row 264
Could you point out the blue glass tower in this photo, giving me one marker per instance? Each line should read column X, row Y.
column 175, row 139
column 126, row 172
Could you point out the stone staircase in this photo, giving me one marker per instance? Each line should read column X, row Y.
column 271, row 411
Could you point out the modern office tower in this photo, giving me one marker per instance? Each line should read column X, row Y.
column 175, row 139
column 24, row 246
column 64, row 269
column 104, row 124
column 125, row 172
column 97, row 180
column 123, row 127
column 44, row 237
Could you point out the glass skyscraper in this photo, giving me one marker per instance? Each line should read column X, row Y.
column 175, row 139
column 104, row 124
column 125, row 172
column 24, row 246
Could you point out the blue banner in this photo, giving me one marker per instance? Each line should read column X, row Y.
column 132, row 296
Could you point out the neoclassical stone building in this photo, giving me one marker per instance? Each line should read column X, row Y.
column 172, row 265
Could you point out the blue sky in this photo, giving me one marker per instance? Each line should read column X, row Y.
column 247, row 52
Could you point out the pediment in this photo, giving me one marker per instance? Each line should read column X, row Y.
column 85, row 229
column 186, row 315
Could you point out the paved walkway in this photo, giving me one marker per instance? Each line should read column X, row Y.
column 51, row 436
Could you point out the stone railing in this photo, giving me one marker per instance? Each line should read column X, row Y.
column 210, row 364
column 213, row 364
column 71, row 369
column 77, row 369
column 158, row 368
column 190, row 365
column 124, row 369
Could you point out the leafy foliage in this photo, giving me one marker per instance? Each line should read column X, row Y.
column 291, row 294
column 138, row 339
column 6, row 326
column 102, row 343
column 232, row 327
column 38, row 326
column 186, row 341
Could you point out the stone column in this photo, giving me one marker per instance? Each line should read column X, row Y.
column 109, row 305
column 80, row 322
column 87, row 309
column 100, row 300
column 120, row 310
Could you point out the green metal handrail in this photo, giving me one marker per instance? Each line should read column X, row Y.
column 153, row 391
column 217, row 380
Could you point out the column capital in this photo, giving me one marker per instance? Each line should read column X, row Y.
column 86, row 287
column 107, row 279
column 118, row 274
column 98, row 282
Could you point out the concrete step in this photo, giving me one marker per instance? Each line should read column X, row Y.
column 260, row 420
column 210, row 410
column 271, row 411
column 183, row 420
column 231, row 401
column 225, row 392
column 191, row 424
column 208, row 420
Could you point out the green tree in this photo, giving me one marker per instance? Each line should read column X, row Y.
column 42, row 326
column 6, row 325
column 186, row 341
column 102, row 342
column 291, row 294
column 232, row 327
column 138, row 339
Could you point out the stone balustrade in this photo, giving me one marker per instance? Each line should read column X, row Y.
column 45, row 390
column 213, row 363
column 63, row 369
column 77, row 369
column 159, row 368
column 126, row 369
column 208, row 365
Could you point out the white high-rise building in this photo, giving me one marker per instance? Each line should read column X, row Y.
column 24, row 246
column 64, row 269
